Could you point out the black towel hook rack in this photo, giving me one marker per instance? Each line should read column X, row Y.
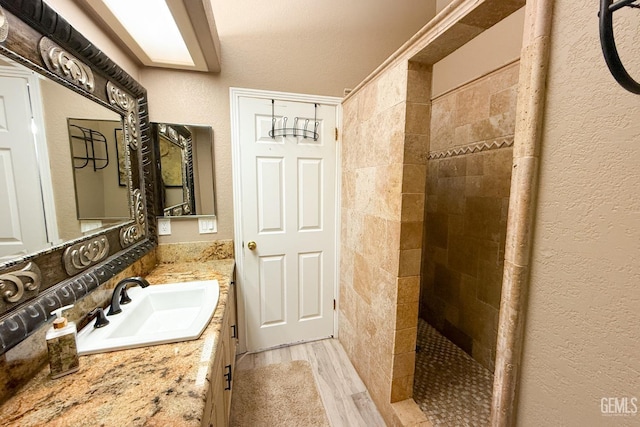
column 608, row 43
column 294, row 131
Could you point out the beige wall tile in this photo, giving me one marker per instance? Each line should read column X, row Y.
column 418, row 118
column 410, row 261
column 387, row 186
column 493, row 127
column 437, row 229
column 408, row 289
column 412, row 207
column 419, row 82
column 504, row 101
column 450, row 194
column 347, row 332
column 414, row 178
column 415, row 149
column 384, row 299
column 481, row 218
column 407, row 316
column 452, row 167
column 367, row 102
column 365, row 199
column 374, row 239
column 442, row 123
column 504, row 78
column 392, row 87
column 353, row 226
column 348, row 190
column 391, row 263
column 475, row 164
column 462, row 254
column 404, row 364
column 380, row 388
column 381, row 349
column 401, row 388
column 362, row 277
column 405, row 340
column 411, row 235
column 472, row 103
column 409, row 414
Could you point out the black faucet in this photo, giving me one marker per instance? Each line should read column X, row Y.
column 120, row 296
column 98, row 314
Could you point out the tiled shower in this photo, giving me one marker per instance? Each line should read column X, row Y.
column 408, row 157
column 466, row 205
column 467, row 198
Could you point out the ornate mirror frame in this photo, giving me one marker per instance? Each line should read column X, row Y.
column 181, row 137
column 33, row 285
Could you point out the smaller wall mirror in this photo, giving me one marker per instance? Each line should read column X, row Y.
column 185, row 163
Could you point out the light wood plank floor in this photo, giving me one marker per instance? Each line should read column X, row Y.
column 344, row 395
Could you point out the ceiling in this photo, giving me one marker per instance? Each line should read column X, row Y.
column 358, row 21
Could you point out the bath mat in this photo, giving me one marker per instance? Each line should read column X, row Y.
column 282, row 394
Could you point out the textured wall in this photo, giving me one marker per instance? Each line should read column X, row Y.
column 581, row 332
column 321, row 54
column 466, row 211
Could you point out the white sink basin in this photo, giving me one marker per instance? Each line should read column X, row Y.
column 157, row 314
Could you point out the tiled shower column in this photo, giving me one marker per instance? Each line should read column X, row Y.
column 384, row 152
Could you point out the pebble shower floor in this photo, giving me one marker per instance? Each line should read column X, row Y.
column 450, row 387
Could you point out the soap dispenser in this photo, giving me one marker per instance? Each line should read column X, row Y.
column 61, row 343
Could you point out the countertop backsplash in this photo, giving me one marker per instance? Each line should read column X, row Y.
column 194, row 251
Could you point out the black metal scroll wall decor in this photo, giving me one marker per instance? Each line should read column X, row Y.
column 607, row 40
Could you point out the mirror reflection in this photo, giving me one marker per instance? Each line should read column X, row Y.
column 39, row 205
column 186, row 169
column 97, row 150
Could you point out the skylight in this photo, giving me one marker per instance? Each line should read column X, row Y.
column 151, row 24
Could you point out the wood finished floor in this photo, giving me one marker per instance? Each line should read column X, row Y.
column 344, row 395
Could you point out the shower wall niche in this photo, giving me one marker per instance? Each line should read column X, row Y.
column 466, row 204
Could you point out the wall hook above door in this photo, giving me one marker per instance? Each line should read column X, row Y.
column 608, row 43
column 294, row 131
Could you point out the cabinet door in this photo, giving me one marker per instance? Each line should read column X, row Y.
column 220, row 413
column 230, row 345
column 233, row 325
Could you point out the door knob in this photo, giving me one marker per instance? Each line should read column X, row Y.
column 251, row 245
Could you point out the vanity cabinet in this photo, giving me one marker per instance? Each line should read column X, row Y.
column 218, row 404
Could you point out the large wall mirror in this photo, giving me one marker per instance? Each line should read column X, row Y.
column 77, row 198
column 186, row 184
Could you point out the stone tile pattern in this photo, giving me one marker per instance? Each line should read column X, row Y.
column 466, row 212
column 195, row 251
column 384, row 165
column 22, row 362
column 451, row 388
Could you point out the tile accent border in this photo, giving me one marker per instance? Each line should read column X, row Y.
column 473, row 148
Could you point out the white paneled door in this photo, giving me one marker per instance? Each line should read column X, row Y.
column 288, row 221
column 22, row 224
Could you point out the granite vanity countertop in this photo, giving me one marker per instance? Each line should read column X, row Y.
column 162, row 385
